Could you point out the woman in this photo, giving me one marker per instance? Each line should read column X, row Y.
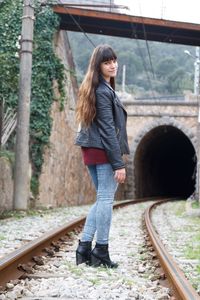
column 103, row 139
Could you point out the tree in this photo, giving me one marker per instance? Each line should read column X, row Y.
column 178, row 81
column 165, row 67
column 133, row 66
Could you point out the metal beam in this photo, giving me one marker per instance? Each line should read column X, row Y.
column 115, row 24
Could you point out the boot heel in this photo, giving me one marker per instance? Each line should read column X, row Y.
column 100, row 256
column 83, row 252
column 80, row 258
column 95, row 262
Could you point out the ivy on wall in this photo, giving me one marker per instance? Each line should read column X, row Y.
column 47, row 67
column 10, row 26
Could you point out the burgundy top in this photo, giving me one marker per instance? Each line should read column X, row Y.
column 94, row 156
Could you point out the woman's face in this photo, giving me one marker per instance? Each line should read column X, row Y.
column 109, row 69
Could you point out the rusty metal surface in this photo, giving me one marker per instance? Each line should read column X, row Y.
column 182, row 287
column 115, row 24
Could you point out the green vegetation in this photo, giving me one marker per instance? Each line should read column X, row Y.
column 47, row 68
column 173, row 70
column 195, row 204
column 9, row 155
column 128, row 281
column 2, row 237
column 143, row 257
column 21, row 214
column 179, row 208
column 10, row 26
column 95, row 281
column 193, row 251
column 198, row 269
column 74, row 269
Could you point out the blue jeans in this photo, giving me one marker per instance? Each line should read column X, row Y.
column 100, row 214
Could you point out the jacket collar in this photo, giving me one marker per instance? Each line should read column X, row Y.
column 105, row 82
column 110, row 87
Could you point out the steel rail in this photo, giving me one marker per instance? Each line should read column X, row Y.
column 182, row 287
column 9, row 265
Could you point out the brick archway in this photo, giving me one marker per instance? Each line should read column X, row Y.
column 151, row 134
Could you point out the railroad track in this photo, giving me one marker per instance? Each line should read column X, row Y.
column 181, row 286
column 16, row 264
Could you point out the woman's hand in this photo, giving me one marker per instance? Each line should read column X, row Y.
column 120, row 175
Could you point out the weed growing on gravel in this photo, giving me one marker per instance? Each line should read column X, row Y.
column 78, row 271
column 145, row 275
column 195, row 204
column 128, row 282
column 195, row 285
column 179, row 208
column 94, row 281
column 143, row 257
column 192, row 251
column 198, row 269
column 131, row 254
column 196, row 221
column 2, row 237
column 21, row 214
column 197, row 238
column 110, row 271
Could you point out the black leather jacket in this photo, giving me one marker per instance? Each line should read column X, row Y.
column 108, row 130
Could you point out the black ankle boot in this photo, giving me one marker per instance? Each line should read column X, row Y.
column 100, row 256
column 83, row 252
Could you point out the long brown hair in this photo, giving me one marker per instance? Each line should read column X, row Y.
column 86, row 110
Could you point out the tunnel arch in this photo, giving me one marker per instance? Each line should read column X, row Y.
column 164, row 160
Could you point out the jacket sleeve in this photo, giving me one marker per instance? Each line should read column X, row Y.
column 106, row 126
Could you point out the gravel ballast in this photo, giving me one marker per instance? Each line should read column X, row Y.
column 135, row 278
column 179, row 230
column 62, row 279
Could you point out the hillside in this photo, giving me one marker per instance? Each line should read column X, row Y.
column 152, row 68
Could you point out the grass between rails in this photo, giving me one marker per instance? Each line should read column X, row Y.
column 192, row 247
column 42, row 211
column 195, row 204
column 21, row 214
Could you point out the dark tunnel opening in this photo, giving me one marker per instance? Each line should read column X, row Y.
column 165, row 164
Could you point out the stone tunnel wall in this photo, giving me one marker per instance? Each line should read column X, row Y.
column 64, row 179
column 144, row 116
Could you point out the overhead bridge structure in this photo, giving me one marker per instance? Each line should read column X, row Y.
column 127, row 26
